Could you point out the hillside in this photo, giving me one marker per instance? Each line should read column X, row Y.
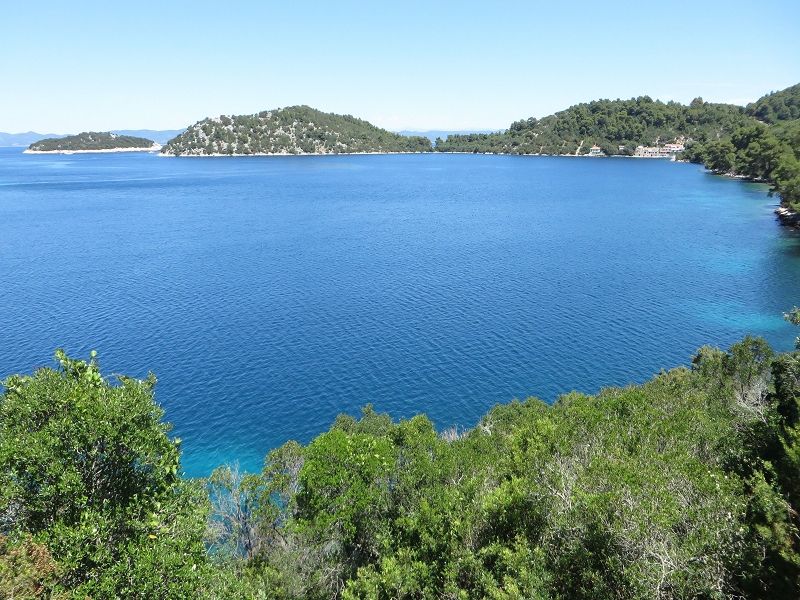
column 290, row 130
column 777, row 106
column 617, row 126
column 91, row 141
column 765, row 149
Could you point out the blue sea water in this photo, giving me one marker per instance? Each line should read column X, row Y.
column 270, row 294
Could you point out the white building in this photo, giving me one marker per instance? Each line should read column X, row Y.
column 665, row 151
column 648, row 152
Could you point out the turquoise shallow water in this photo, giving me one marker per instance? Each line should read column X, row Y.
column 270, row 294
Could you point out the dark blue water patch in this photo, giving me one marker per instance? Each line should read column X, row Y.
column 270, row 294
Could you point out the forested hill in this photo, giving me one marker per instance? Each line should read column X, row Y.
column 91, row 141
column 777, row 106
column 290, row 130
column 766, row 148
column 617, row 126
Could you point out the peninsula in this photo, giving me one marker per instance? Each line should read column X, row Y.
column 290, row 130
column 614, row 127
column 758, row 142
column 92, row 141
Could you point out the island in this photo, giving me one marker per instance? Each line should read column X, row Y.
column 92, row 141
column 291, row 130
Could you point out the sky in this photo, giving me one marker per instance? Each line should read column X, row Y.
column 82, row 65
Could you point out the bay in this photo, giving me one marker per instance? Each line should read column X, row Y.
column 269, row 294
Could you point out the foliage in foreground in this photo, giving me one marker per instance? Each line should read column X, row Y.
column 684, row 487
column 89, row 474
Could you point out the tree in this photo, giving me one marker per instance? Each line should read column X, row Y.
column 720, row 156
column 87, row 468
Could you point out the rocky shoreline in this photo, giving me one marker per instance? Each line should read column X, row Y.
column 787, row 216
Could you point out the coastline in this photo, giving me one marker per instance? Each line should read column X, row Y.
column 787, row 216
column 238, row 155
column 225, row 155
column 153, row 148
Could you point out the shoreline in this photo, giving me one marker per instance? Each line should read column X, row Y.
column 238, row 155
column 225, row 155
column 788, row 217
column 153, row 148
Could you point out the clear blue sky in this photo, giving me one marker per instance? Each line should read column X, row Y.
column 72, row 66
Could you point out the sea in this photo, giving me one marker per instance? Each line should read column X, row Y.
column 269, row 294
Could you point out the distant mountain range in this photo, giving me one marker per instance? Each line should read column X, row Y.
column 23, row 140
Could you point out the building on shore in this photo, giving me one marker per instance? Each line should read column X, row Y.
column 674, row 148
column 665, row 151
column 596, row 151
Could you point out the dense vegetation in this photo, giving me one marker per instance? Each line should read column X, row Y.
column 777, row 106
column 770, row 154
column 767, row 151
column 617, row 126
column 684, row 487
column 291, row 130
column 90, row 140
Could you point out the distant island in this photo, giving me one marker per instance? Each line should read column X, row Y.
column 290, row 130
column 23, row 140
column 92, row 141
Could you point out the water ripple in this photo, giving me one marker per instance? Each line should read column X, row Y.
column 270, row 295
